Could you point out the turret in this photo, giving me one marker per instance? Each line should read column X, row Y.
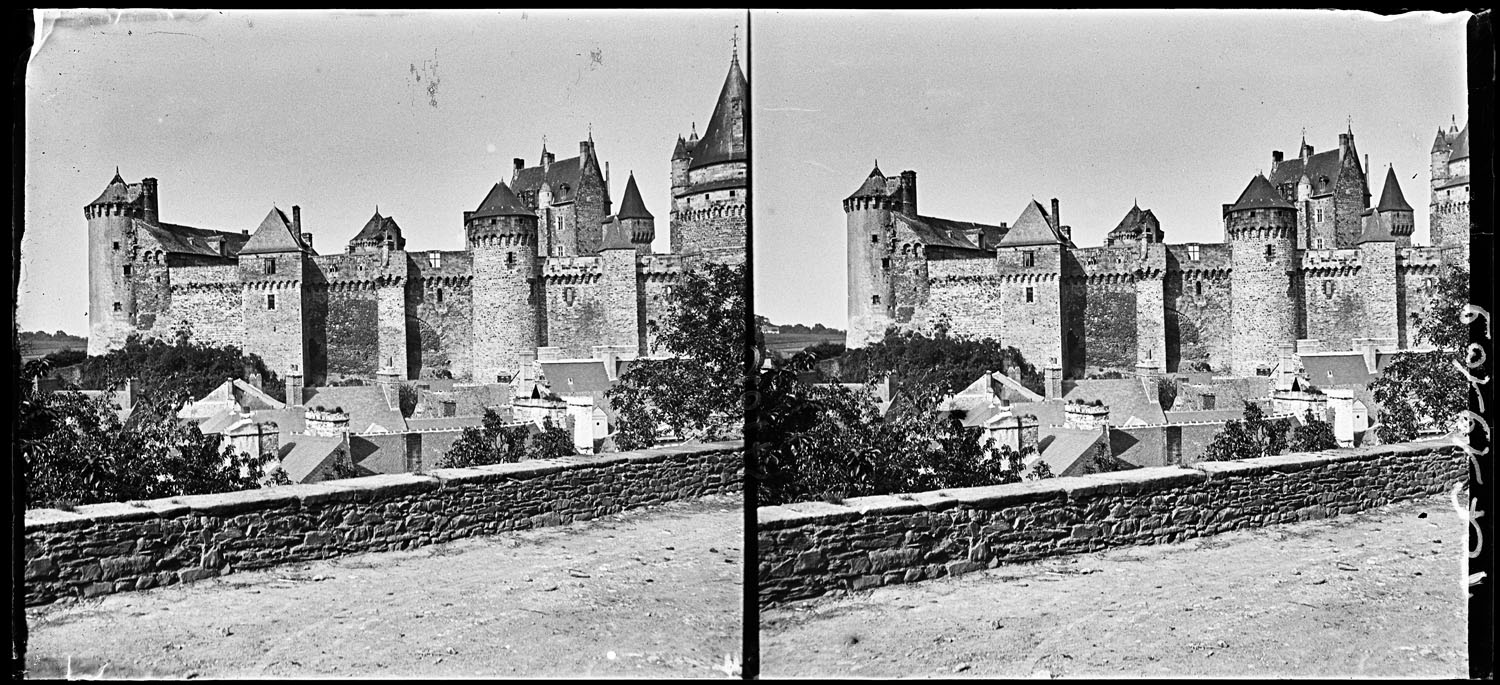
column 870, row 231
column 1439, row 169
column 638, row 226
column 112, row 243
column 502, row 237
column 1387, row 227
column 1261, row 228
column 272, row 267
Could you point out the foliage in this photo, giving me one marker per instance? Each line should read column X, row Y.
column 821, row 441
column 1314, row 435
column 407, row 397
column 164, row 369
column 343, row 465
column 825, row 350
column 498, row 443
column 77, row 450
column 1248, row 438
column 65, row 358
column 699, row 392
column 946, row 362
column 1424, row 391
column 1166, row 392
column 801, row 329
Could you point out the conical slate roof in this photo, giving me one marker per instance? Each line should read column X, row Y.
column 116, row 191
column 631, row 206
column 719, row 144
column 274, row 234
column 1260, row 195
column 1440, row 144
column 501, row 202
column 1460, row 145
column 1032, row 228
column 874, row 185
column 1391, row 199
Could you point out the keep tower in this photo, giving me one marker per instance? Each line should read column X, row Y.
column 112, row 246
column 872, row 240
column 502, row 237
column 1262, row 231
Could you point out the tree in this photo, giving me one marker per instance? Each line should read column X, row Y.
column 1254, row 436
column 1314, row 435
column 1424, row 391
column 163, row 369
column 945, row 361
column 499, row 443
column 698, row 393
column 76, row 450
column 828, row 441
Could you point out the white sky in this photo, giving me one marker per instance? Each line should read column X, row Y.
column 1178, row 109
column 236, row 111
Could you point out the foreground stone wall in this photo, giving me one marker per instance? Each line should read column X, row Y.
column 103, row 548
column 810, row 548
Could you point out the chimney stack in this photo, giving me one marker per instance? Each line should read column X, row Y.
column 297, row 219
column 148, row 196
column 1056, row 215
column 519, row 163
column 1276, row 158
column 1052, row 377
column 909, row 193
column 294, row 388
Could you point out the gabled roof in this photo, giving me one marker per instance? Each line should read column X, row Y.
column 1136, row 221
column 375, row 229
column 940, row 232
column 719, row 143
column 562, row 177
column 370, row 407
column 274, row 234
column 631, row 206
column 1323, row 165
column 501, row 202
column 177, row 239
column 1032, row 228
column 1064, row 449
column 1260, row 195
column 1391, row 199
column 1125, row 397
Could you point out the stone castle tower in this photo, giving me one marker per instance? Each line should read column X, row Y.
column 548, row 271
column 1450, row 190
column 1307, row 263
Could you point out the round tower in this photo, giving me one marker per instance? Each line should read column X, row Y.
column 502, row 237
column 871, row 294
column 1262, row 233
column 112, row 300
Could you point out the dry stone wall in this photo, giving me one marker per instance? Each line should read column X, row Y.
column 104, row 548
column 808, row 549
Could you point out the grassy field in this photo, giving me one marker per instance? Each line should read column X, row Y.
column 36, row 349
column 791, row 343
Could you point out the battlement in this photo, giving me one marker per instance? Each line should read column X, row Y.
column 1334, row 262
column 374, row 269
column 717, row 210
column 571, row 270
column 1418, row 257
column 1118, row 264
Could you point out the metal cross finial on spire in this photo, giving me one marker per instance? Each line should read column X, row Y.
column 591, row 131
column 1349, row 123
column 735, row 41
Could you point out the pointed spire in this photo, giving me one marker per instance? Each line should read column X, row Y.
column 501, row 202
column 1391, row 199
column 631, row 206
column 1260, row 195
column 1440, row 143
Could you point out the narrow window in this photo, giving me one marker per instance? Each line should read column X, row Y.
column 1270, row 252
column 270, row 265
column 1198, row 287
column 440, row 295
column 875, row 238
column 117, row 245
column 1028, row 295
column 874, row 299
column 510, row 260
column 1028, row 259
column 117, row 306
column 127, row 269
column 270, row 302
column 885, row 263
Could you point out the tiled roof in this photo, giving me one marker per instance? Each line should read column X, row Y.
column 718, row 144
column 1327, row 370
column 501, row 202
column 930, row 233
column 274, row 234
column 562, row 177
column 1032, row 228
column 1126, row 397
column 1322, row 171
column 177, row 239
column 1259, row 194
column 631, row 205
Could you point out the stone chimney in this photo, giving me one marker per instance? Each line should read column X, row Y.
column 327, row 422
column 1052, row 375
column 294, row 388
column 1276, row 158
column 297, row 220
column 149, row 198
column 547, row 158
column 909, row 193
column 1056, row 216
column 1085, row 416
column 518, row 163
column 253, row 377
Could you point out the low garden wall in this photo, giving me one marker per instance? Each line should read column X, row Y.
column 808, row 549
column 103, row 548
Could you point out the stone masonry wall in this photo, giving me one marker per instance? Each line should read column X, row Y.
column 810, row 548
column 576, row 317
column 967, row 294
column 1332, row 297
column 206, row 300
column 104, row 548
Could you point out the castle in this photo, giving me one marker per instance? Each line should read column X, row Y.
column 549, row 270
column 1306, row 264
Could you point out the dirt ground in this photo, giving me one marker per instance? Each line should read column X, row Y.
column 654, row 592
column 1372, row 594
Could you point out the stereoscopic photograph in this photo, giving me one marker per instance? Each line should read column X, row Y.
column 1111, row 344
column 345, row 354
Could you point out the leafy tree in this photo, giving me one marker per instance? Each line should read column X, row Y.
column 828, row 441
column 1424, row 391
column 163, row 368
column 699, row 393
column 497, row 443
column 1248, row 438
column 76, row 450
column 949, row 363
column 1314, row 435
column 825, row 350
column 65, row 358
column 343, row 465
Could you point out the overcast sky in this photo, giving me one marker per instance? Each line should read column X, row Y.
column 1099, row 109
column 419, row 113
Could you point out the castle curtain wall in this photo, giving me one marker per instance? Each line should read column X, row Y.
column 1197, row 305
column 967, row 295
column 441, row 302
column 1331, row 295
column 576, row 318
column 206, row 301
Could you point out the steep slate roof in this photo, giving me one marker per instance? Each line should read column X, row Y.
column 563, row 172
column 375, row 229
column 1126, row 397
column 1032, row 228
column 1391, row 198
column 177, row 239
column 1322, row 165
column 1440, row 144
column 1260, row 195
column 308, row 454
column 933, row 235
column 274, row 234
column 581, row 377
column 370, row 407
column 501, row 202
column 718, row 144
column 118, row 191
column 1066, row 448
column 631, row 205
column 877, row 185
column 1460, row 145
column 1135, row 222
column 1326, row 370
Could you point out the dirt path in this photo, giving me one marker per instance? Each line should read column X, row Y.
column 1373, row 594
column 654, row 592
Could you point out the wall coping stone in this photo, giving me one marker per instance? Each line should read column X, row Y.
column 115, row 511
column 231, row 503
